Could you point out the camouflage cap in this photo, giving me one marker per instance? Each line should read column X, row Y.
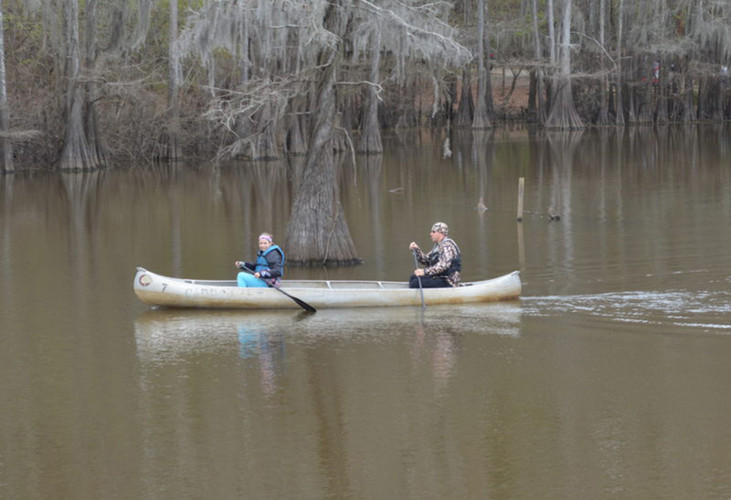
column 440, row 227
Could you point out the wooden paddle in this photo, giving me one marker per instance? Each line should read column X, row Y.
column 418, row 278
column 304, row 305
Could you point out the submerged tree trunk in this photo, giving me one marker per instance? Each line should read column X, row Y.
column 644, row 93
column 563, row 112
column 169, row 140
column 718, row 111
column 464, row 112
column 661, row 107
column 93, row 138
column 540, row 103
column 619, row 99
column 318, row 233
column 370, row 141
column 603, row 117
column 6, row 151
column 243, row 127
column 686, row 99
column 482, row 113
column 77, row 154
column 552, row 63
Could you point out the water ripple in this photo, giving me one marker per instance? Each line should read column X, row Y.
column 703, row 310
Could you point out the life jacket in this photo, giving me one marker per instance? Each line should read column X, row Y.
column 454, row 266
column 261, row 258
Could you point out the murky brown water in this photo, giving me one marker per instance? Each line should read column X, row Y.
column 608, row 379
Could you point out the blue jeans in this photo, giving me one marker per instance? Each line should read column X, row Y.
column 245, row 279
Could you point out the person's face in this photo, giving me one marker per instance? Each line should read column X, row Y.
column 264, row 244
column 435, row 236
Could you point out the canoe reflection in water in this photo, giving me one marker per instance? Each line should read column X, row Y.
column 170, row 334
column 435, row 336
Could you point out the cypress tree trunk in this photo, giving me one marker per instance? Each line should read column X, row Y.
column 686, row 100
column 661, row 109
column 343, row 123
column 482, row 114
column 619, row 100
column 718, row 111
column 644, row 94
column 296, row 143
column 630, row 88
column 464, row 112
column 77, row 155
column 93, row 138
column 538, row 96
column 563, row 112
column 603, row 118
column 318, row 233
column 371, row 138
column 6, row 151
column 243, row 127
column 264, row 144
column 169, row 141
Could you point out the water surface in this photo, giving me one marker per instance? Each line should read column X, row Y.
column 608, row 379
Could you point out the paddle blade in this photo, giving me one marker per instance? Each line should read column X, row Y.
column 304, row 305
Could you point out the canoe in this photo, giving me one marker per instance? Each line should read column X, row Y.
column 157, row 290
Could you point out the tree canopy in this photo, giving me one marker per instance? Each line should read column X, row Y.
column 100, row 81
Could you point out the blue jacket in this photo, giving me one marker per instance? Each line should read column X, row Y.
column 269, row 263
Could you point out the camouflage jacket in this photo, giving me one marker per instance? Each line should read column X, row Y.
column 443, row 260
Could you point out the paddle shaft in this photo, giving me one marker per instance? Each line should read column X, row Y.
column 304, row 305
column 418, row 278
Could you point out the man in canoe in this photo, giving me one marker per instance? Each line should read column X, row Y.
column 269, row 265
column 443, row 263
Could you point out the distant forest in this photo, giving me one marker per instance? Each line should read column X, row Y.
column 85, row 84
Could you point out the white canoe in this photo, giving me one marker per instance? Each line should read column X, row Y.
column 158, row 290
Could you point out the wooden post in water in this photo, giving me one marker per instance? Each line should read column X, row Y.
column 521, row 248
column 521, row 189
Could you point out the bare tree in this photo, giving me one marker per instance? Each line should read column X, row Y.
column 466, row 106
column 540, row 107
column 552, row 63
column 77, row 154
column 619, row 99
column 168, row 145
column 603, row 118
column 411, row 31
column 563, row 112
column 94, row 139
column 481, row 118
column 371, row 133
column 318, row 233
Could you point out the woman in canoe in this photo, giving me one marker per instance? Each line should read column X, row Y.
column 269, row 265
column 443, row 263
